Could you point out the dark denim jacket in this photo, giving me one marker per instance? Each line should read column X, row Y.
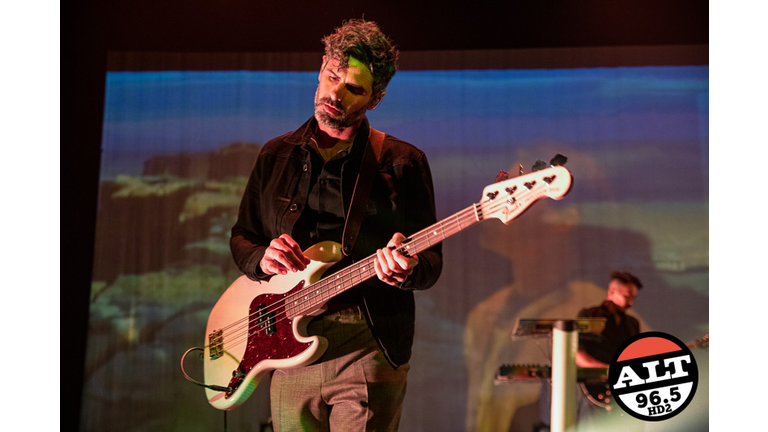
column 401, row 200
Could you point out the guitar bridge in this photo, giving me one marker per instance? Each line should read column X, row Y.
column 216, row 344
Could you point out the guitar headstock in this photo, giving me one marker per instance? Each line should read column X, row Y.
column 508, row 199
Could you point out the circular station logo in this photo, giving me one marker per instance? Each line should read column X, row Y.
column 653, row 376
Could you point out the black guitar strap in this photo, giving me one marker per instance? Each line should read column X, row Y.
column 356, row 212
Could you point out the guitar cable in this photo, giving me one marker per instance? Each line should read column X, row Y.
column 193, row 381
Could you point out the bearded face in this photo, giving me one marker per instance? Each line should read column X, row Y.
column 344, row 93
column 332, row 114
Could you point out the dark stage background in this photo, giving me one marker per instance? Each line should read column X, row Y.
column 618, row 47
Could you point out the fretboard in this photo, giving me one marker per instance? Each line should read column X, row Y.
column 309, row 298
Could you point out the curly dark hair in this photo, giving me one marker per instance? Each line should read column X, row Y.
column 364, row 41
column 626, row 278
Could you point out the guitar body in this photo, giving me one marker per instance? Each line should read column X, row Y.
column 239, row 354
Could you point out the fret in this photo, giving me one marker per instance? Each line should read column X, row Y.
column 415, row 246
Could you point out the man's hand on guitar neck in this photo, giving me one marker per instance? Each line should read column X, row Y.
column 283, row 255
column 392, row 267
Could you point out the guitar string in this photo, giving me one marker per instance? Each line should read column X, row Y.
column 244, row 332
column 456, row 219
column 244, row 329
column 468, row 213
column 354, row 275
column 367, row 262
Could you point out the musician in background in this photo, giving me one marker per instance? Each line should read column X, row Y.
column 598, row 351
column 299, row 194
column 594, row 412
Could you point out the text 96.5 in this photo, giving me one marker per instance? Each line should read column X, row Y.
column 658, row 401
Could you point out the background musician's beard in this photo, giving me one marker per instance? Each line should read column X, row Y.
column 342, row 120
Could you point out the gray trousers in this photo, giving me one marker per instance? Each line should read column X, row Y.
column 351, row 387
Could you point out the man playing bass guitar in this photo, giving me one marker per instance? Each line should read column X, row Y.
column 304, row 189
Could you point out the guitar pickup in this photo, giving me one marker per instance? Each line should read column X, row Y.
column 266, row 319
column 216, row 344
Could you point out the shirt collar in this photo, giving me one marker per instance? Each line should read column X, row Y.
column 303, row 135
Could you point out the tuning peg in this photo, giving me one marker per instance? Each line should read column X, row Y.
column 503, row 175
column 520, row 170
column 539, row 165
column 558, row 160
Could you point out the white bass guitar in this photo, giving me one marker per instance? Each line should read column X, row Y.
column 255, row 328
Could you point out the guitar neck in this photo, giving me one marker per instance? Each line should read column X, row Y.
column 504, row 200
column 310, row 297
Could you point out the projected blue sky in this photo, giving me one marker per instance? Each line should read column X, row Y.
column 170, row 111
